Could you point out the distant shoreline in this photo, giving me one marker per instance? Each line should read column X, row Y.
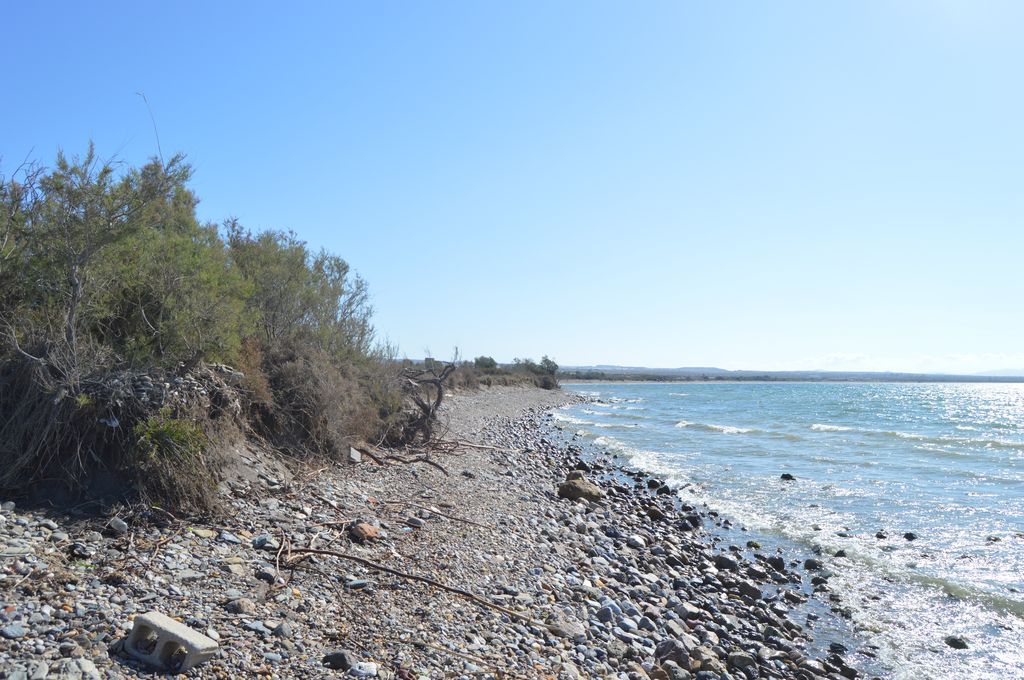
column 762, row 378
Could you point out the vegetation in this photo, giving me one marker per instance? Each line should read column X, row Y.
column 121, row 312
column 486, row 371
column 108, row 278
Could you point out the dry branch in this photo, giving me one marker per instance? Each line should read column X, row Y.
column 422, row 579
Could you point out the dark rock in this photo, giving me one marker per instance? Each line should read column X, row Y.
column 786, row 477
column 750, row 590
column 339, row 660
column 910, row 536
column 812, row 564
column 723, row 561
column 956, row 642
column 672, row 650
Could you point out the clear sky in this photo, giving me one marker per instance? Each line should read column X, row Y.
column 764, row 185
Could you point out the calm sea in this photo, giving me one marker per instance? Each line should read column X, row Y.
column 944, row 461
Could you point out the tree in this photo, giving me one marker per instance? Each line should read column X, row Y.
column 297, row 295
column 82, row 209
column 548, row 366
column 485, row 364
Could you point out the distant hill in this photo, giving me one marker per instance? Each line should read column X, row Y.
column 644, row 373
column 1004, row 372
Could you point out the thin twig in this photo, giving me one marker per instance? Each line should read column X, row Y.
column 438, row 512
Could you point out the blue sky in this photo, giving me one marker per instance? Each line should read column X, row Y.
column 745, row 185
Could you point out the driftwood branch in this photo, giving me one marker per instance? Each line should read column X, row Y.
column 422, row 579
column 484, row 447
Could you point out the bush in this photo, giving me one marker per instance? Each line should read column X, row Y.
column 485, row 365
column 169, row 465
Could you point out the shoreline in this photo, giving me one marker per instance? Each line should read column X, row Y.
column 634, row 585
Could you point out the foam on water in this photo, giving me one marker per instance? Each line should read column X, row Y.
column 943, row 461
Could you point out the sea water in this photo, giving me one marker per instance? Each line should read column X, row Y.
column 942, row 461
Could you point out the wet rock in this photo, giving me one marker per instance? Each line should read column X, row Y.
column 910, row 536
column 786, row 477
column 956, row 642
column 750, row 590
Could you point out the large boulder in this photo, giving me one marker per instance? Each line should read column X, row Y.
column 577, row 487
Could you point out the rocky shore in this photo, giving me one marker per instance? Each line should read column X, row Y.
column 524, row 557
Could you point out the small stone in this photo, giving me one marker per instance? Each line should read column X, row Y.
column 236, row 569
column 118, row 526
column 362, row 532
column 265, row 542
column 812, row 564
column 242, row 605
column 414, row 522
column 204, row 533
column 363, row 669
column 637, row 542
column 284, row 630
column 229, row 537
column 655, row 513
column 741, row 660
column 13, row 631
column 723, row 561
column 338, row 660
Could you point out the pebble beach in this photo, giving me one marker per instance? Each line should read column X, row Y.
column 522, row 556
